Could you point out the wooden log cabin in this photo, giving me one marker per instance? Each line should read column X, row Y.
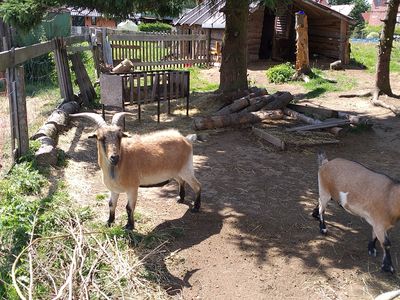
column 271, row 33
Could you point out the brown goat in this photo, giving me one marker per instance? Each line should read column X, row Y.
column 141, row 160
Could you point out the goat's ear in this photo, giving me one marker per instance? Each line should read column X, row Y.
column 93, row 135
column 125, row 134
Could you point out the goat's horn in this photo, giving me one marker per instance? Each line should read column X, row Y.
column 92, row 116
column 117, row 117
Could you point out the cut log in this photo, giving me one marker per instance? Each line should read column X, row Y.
column 240, row 103
column 269, row 138
column 201, row 123
column 321, row 113
column 124, row 67
column 48, row 133
column 278, row 100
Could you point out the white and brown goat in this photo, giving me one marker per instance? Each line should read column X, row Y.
column 141, row 160
column 362, row 192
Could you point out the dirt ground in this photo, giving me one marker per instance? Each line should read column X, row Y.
column 254, row 237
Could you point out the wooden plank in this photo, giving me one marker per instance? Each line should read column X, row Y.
column 263, row 134
column 325, row 124
column 131, row 96
column 17, row 56
column 156, row 38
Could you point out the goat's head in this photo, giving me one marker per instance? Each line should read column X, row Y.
column 108, row 136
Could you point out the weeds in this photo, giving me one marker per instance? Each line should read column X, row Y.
column 280, row 73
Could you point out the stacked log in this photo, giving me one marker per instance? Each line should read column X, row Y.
column 49, row 132
column 250, row 109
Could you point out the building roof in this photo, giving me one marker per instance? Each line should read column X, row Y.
column 343, row 9
column 84, row 12
column 208, row 14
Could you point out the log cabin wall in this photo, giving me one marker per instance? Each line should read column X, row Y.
column 324, row 37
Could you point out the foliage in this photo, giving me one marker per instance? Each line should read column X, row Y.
column 26, row 13
column 281, row 73
column 360, row 7
column 377, row 29
column 155, row 27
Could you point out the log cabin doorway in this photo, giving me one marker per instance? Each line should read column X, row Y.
column 267, row 35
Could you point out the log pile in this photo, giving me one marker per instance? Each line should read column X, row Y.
column 252, row 108
column 299, row 126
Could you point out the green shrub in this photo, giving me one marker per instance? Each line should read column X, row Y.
column 155, row 27
column 373, row 35
column 280, row 73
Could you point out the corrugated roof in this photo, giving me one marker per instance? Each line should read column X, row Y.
column 84, row 12
column 208, row 14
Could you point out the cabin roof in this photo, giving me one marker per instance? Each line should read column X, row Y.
column 208, row 14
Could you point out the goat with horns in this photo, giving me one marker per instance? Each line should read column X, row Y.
column 141, row 160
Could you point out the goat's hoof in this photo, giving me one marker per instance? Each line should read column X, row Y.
column 388, row 268
column 372, row 252
column 323, row 231
column 195, row 209
column 180, row 200
column 129, row 227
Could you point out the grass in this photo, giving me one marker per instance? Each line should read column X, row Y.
column 198, row 84
column 320, row 84
column 37, row 211
column 366, row 54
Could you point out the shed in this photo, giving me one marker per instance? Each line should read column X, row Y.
column 271, row 33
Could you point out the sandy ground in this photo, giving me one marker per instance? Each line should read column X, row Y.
column 255, row 237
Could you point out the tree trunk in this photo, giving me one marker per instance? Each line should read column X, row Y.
column 302, row 58
column 382, row 79
column 233, row 70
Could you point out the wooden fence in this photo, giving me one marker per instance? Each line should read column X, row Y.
column 11, row 60
column 158, row 50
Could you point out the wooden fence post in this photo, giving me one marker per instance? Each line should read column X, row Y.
column 63, row 73
column 6, row 44
column 22, row 119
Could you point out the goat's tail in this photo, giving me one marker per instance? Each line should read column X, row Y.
column 322, row 159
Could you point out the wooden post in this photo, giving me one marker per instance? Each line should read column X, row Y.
column 302, row 57
column 63, row 73
column 7, row 42
column 23, row 136
column 344, row 43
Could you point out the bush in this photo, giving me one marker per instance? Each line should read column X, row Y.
column 373, row 35
column 155, row 27
column 280, row 73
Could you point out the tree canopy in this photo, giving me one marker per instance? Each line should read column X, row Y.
column 26, row 13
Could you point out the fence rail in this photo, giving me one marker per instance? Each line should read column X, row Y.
column 157, row 50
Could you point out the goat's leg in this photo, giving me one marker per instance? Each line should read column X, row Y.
column 112, row 203
column 130, row 208
column 387, row 265
column 196, row 187
column 323, row 200
column 182, row 193
column 372, row 245
column 315, row 212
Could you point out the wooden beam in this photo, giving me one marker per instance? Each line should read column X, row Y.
column 23, row 136
column 325, row 124
column 263, row 134
column 17, row 56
